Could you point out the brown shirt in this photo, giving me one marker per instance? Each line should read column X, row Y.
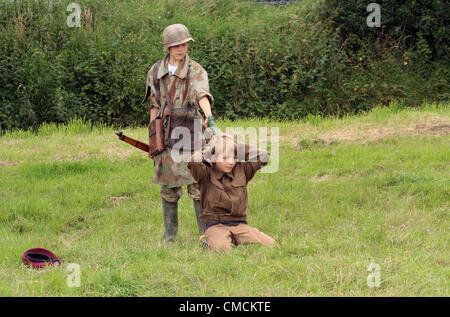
column 224, row 195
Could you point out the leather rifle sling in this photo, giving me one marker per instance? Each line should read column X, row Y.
column 156, row 82
column 186, row 92
column 156, row 142
column 156, row 85
column 169, row 101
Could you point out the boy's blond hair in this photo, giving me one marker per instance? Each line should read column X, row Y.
column 223, row 144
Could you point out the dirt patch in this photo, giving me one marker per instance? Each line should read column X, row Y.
column 320, row 178
column 13, row 142
column 311, row 138
column 117, row 199
column 121, row 153
column 366, row 132
column 438, row 129
column 112, row 153
column 9, row 163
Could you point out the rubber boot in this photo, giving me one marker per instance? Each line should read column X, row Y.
column 198, row 212
column 200, row 223
column 170, row 211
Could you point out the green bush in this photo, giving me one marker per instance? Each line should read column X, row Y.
column 422, row 25
column 266, row 61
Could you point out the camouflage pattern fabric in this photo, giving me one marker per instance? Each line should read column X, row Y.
column 173, row 194
column 175, row 34
column 167, row 172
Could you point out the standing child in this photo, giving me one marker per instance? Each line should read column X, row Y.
column 223, row 191
column 180, row 83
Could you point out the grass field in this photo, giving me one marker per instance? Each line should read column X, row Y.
column 349, row 192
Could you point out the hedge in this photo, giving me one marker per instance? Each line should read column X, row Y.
column 284, row 61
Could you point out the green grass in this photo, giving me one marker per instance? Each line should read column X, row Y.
column 342, row 198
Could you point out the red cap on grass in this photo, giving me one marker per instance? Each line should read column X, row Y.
column 39, row 258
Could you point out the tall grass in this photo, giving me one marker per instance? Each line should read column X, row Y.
column 74, row 126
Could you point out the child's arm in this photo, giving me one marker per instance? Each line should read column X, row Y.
column 197, row 166
column 254, row 159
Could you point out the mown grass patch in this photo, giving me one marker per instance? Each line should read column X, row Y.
column 333, row 207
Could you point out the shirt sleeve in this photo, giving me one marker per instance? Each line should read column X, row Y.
column 200, row 86
column 254, row 159
column 150, row 94
column 197, row 167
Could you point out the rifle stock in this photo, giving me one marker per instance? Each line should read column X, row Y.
column 140, row 145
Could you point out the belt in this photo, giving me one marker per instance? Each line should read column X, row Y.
column 185, row 109
column 222, row 217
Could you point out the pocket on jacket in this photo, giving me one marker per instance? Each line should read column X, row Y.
column 240, row 189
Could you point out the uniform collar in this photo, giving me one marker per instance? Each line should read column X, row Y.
column 182, row 68
column 218, row 174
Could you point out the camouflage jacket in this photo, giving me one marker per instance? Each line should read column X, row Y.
column 167, row 171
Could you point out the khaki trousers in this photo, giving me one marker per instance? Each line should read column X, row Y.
column 221, row 237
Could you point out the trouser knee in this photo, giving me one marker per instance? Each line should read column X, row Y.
column 171, row 194
column 193, row 191
column 219, row 245
column 218, row 238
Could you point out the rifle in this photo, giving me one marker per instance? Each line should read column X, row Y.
column 144, row 146
column 140, row 145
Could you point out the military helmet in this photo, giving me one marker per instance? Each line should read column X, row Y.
column 175, row 34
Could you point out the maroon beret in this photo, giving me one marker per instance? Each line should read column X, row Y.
column 39, row 258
